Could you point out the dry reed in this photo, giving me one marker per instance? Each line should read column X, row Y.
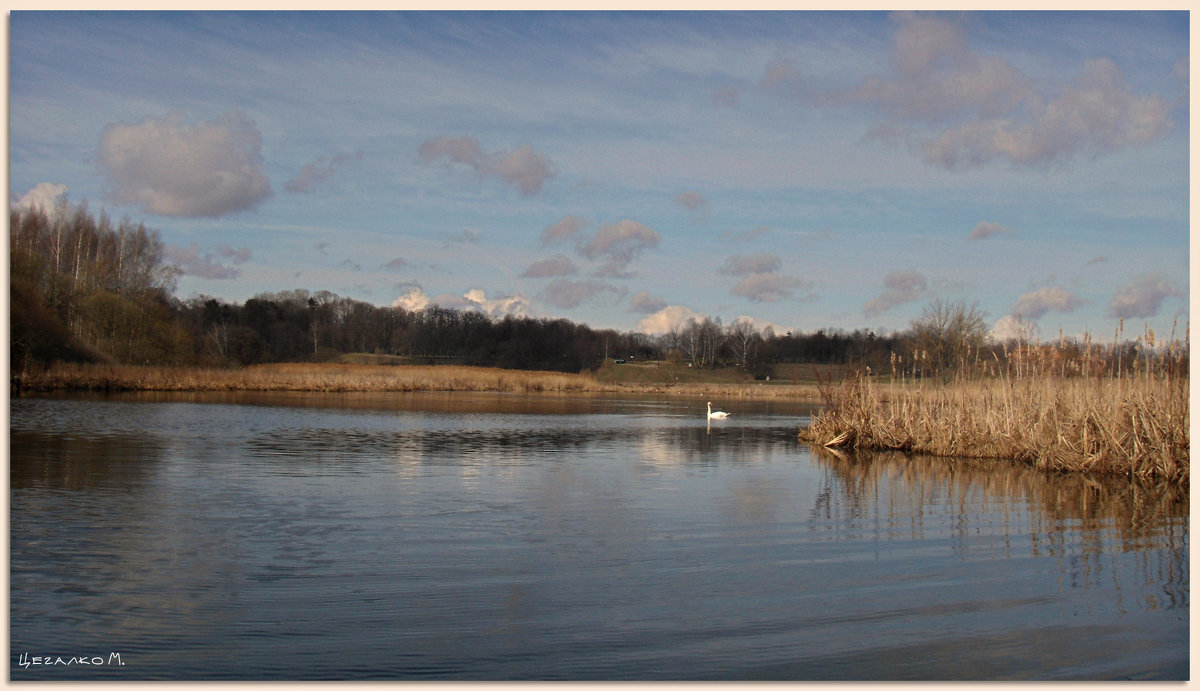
column 336, row 378
column 1132, row 422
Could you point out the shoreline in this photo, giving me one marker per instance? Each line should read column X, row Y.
column 1131, row 426
column 348, row 378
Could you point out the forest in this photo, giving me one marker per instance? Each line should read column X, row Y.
column 84, row 288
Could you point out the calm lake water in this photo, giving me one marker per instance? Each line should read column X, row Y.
column 494, row 537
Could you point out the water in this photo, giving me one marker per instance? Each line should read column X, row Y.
column 493, row 537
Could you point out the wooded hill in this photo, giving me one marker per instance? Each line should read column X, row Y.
column 86, row 289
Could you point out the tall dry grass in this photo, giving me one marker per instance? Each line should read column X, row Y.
column 336, row 378
column 303, row 377
column 1131, row 421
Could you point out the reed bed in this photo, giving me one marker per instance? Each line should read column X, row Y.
column 302, row 377
column 336, row 378
column 1135, row 426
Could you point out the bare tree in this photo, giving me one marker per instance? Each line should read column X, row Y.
column 744, row 340
column 947, row 333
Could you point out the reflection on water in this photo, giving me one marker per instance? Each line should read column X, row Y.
column 484, row 536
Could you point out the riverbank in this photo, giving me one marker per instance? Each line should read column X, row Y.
column 1127, row 426
column 337, row 378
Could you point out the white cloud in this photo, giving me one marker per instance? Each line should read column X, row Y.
column 44, row 196
column 619, row 244
column 477, row 299
column 763, row 287
column 193, row 262
column 899, row 287
column 692, row 201
column 666, row 319
column 936, row 78
column 645, row 303
column 413, row 299
column 959, row 109
column 466, row 236
column 761, row 325
column 563, row 230
column 1097, row 114
column 567, row 294
column 474, row 300
column 1142, row 298
column 317, row 172
column 1035, row 305
column 523, row 168
column 1011, row 327
column 558, row 265
column 738, row 265
column 986, row 229
column 171, row 168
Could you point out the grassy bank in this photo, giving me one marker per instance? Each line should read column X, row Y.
column 1120, row 425
column 378, row 378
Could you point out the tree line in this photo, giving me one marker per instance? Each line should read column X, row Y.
column 84, row 288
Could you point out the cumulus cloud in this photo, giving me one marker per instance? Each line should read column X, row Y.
column 466, row 236
column 1011, row 327
column 759, row 281
column 396, row 264
column 474, row 300
column 1097, row 114
column 763, row 326
column 692, row 201
column 320, row 170
column 171, row 168
column 523, row 168
column 899, row 287
column 986, row 229
column 937, row 78
column 193, row 262
column 668, row 318
column 617, row 245
column 44, row 196
column 563, row 230
column 1035, row 305
column 957, row 108
column 768, row 287
column 558, row 265
column 566, row 294
column 413, row 299
column 645, row 303
column 738, row 265
column 1142, row 298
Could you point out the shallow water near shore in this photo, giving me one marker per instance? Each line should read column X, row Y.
column 503, row 537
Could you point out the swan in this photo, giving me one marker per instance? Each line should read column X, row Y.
column 719, row 415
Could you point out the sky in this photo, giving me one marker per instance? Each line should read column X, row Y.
column 632, row 170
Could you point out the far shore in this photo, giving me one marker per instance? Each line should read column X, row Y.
column 1127, row 426
column 346, row 378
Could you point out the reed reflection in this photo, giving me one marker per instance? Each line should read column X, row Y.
column 1080, row 522
column 51, row 461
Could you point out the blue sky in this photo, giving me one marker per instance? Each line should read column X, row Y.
column 630, row 170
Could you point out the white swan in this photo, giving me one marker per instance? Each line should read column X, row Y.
column 717, row 415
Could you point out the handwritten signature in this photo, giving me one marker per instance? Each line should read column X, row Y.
column 25, row 660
